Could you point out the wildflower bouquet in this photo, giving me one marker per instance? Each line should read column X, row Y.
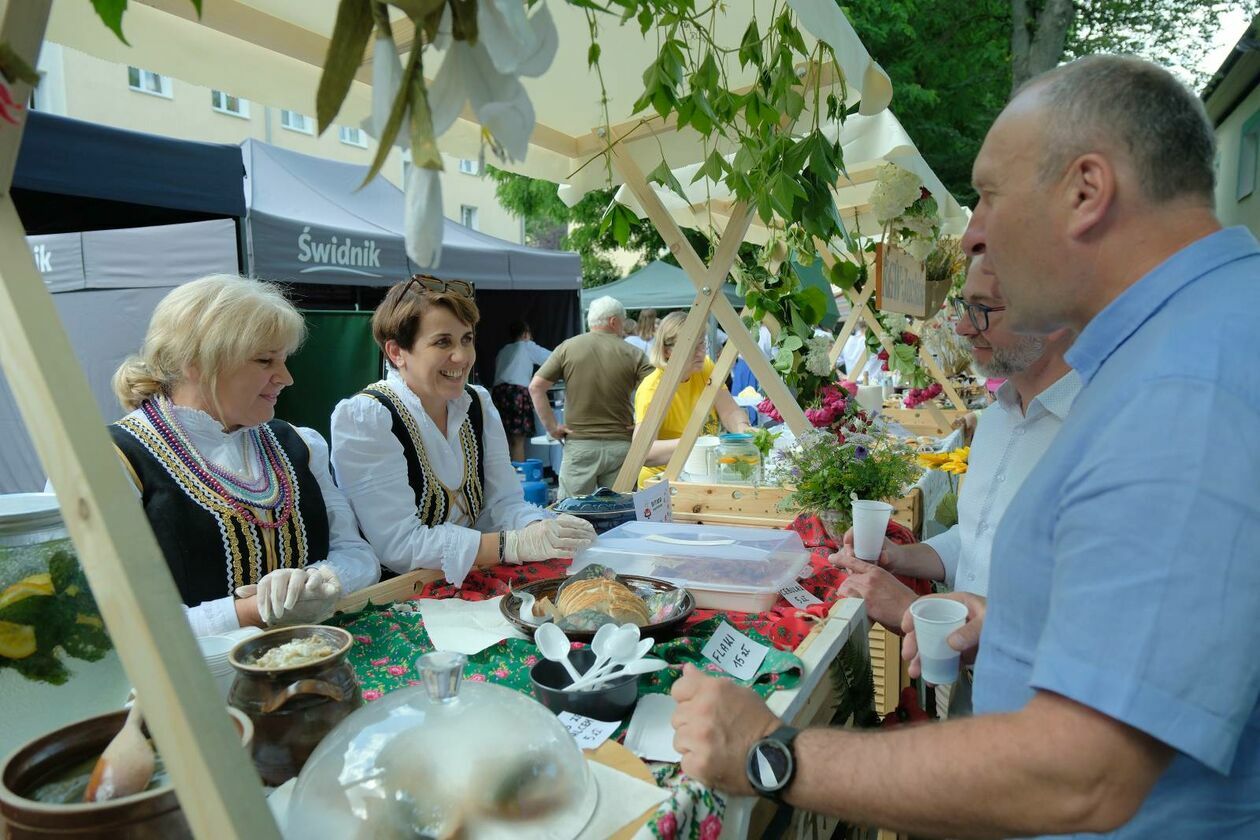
column 829, row 470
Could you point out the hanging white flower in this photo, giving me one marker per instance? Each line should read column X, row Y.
column 422, row 218
column 387, row 76
column 817, row 358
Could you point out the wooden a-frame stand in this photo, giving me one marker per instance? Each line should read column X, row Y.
column 708, row 281
column 218, row 788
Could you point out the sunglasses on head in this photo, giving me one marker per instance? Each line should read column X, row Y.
column 432, row 284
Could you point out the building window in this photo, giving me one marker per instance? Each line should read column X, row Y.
column 1248, row 157
column 468, row 167
column 468, row 216
column 226, row 103
column 146, row 81
column 353, row 137
column 294, row 121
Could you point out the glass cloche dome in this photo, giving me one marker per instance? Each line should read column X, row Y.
column 447, row 758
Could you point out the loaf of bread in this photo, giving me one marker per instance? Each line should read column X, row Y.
column 602, row 595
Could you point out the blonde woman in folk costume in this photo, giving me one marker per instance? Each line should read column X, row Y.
column 422, row 455
column 252, row 526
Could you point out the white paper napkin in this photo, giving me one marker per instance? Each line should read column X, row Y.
column 622, row 798
column 650, row 734
column 466, row 627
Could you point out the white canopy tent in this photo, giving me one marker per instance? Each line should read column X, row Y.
column 271, row 51
column 867, row 141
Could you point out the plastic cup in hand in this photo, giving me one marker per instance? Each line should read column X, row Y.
column 934, row 620
column 870, row 523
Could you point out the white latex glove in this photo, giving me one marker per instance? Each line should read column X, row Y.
column 561, row 537
column 295, row 596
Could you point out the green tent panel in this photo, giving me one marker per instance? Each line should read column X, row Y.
column 659, row 285
column 338, row 359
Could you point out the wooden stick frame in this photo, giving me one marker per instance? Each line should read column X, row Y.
column 862, row 311
column 708, row 281
column 218, row 788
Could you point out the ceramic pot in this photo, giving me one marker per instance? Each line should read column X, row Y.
column 149, row 815
column 294, row 707
column 605, row 509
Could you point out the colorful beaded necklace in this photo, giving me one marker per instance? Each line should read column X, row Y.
column 273, row 491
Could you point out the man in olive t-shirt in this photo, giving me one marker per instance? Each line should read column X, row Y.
column 600, row 372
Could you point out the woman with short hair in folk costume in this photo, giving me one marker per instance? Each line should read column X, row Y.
column 423, row 456
column 253, row 528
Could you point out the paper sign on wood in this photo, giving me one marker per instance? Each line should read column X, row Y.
column 652, row 504
column 901, row 284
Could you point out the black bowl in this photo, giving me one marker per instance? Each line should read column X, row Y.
column 612, row 702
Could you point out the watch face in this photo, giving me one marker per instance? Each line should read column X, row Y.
column 769, row 766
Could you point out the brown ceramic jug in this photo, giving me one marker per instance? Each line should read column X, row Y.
column 293, row 707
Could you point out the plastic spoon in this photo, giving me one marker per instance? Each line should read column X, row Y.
column 638, row 666
column 126, row 765
column 595, row 678
column 554, row 645
column 603, row 645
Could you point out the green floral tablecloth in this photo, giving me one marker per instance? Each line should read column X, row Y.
column 388, row 640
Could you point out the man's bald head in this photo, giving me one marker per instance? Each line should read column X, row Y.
column 1119, row 104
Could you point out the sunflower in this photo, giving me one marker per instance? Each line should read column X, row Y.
column 956, row 461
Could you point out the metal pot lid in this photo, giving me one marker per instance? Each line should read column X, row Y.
column 603, row 500
column 25, row 512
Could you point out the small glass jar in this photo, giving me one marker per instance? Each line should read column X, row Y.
column 736, row 460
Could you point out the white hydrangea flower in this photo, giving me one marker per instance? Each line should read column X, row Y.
column 919, row 248
column 817, row 360
column 895, row 190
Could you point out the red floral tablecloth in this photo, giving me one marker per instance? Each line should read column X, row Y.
column 388, row 639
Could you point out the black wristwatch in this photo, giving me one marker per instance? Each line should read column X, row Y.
column 771, row 763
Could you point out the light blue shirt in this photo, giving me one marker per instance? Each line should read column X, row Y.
column 1126, row 573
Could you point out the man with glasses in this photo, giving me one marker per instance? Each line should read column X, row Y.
column 1010, row 439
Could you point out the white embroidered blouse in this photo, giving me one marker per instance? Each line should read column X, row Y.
column 372, row 471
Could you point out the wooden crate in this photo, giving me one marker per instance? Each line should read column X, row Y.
column 885, row 668
column 918, row 421
column 762, row 507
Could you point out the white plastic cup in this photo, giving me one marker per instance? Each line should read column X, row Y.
column 870, row 397
column 870, row 523
column 934, row 620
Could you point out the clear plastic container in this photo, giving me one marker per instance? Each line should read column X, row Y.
column 724, row 567
column 737, row 460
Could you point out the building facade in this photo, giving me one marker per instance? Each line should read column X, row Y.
column 1232, row 99
column 84, row 87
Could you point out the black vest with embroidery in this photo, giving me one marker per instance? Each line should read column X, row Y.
column 434, row 499
column 209, row 548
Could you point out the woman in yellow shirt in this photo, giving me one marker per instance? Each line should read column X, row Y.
column 684, row 401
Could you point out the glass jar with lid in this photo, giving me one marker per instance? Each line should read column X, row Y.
column 56, row 661
column 445, row 757
column 736, row 460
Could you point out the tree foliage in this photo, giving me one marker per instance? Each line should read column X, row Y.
column 953, row 65
column 552, row 224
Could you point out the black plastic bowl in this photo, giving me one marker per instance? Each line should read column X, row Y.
column 612, row 702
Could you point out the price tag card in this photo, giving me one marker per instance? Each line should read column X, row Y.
column 588, row 732
column 652, row 504
column 734, row 652
column 798, row 596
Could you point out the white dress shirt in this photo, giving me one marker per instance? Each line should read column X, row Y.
column 372, row 471
column 1007, row 445
column 515, row 362
column 348, row 555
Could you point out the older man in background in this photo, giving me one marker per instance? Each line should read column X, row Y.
column 1117, row 687
column 600, row 372
column 1010, row 438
